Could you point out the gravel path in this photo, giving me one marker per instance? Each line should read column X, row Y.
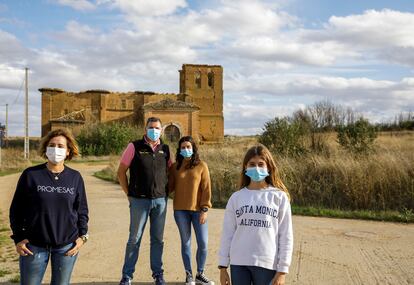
column 327, row 251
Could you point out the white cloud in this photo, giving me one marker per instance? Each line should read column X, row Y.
column 242, row 119
column 80, row 5
column 377, row 98
column 10, row 48
column 10, row 77
column 78, row 33
column 272, row 64
column 246, row 18
column 385, row 35
column 375, row 28
column 149, row 8
column 287, row 49
column 303, row 85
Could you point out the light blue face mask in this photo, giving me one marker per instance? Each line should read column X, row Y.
column 186, row 152
column 257, row 174
column 153, row 134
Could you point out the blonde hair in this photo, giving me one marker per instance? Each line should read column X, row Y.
column 70, row 141
column 273, row 178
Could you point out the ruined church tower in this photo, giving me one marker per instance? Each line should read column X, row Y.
column 202, row 85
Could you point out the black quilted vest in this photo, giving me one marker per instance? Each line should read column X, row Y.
column 149, row 171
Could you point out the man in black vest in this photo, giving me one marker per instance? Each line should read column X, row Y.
column 148, row 160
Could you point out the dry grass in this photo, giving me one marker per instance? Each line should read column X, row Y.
column 12, row 159
column 332, row 178
column 8, row 255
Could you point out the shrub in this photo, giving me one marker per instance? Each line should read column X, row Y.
column 357, row 137
column 383, row 182
column 284, row 136
column 104, row 139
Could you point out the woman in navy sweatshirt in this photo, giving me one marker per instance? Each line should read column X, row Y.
column 49, row 213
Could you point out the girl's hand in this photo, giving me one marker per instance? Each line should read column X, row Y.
column 279, row 278
column 203, row 217
column 21, row 248
column 74, row 250
column 224, row 277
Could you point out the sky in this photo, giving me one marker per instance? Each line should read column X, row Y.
column 278, row 56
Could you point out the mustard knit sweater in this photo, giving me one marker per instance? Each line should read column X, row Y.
column 192, row 186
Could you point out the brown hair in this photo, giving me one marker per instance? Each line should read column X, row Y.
column 70, row 141
column 273, row 178
column 195, row 158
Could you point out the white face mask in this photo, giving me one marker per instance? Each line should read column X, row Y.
column 55, row 154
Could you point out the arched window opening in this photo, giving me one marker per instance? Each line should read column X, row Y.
column 197, row 79
column 210, row 79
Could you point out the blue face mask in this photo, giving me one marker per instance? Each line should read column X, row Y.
column 257, row 174
column 186, row 152
column 153, row 134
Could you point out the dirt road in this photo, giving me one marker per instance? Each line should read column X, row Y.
column 327, row 251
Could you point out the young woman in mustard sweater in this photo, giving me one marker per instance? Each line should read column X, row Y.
column 189, row 179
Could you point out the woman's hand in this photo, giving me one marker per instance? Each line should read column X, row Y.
column 279, row 278
column 74, row 250
column 224, row 277
column 21, row 248
column 203, row 217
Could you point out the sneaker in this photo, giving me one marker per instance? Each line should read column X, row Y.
column 189, row 278
column 202, row 279
column 159, row 279
column 125, row 281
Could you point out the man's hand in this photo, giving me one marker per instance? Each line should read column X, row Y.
column 21, row 248
column 122, row 177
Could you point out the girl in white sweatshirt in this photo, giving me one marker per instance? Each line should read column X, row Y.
column 257, row 235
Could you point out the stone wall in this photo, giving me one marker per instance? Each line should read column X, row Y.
column 201, row 85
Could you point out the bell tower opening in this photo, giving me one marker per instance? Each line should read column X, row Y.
column 210, row 78
column 197, row 79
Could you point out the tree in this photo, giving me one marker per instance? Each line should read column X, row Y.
column 357, row 137
column 284, row 136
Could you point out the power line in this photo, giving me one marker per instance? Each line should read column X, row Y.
column 18, row 94
column 26, row 138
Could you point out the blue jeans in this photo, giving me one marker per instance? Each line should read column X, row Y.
column 140, row 210
column 184, row 219
column 33, row 267
column 247, row 275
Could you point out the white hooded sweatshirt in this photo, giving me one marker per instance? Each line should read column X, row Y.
column 257, row 230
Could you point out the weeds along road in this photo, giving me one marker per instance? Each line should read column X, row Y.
column 327, row 251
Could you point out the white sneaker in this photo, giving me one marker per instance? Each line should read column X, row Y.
column 189, row 278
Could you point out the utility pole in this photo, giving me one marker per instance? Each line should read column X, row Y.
column 1, row 142
column 6, row 133
column 3, row 134
column 26, row 138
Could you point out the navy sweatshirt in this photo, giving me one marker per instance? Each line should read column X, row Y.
column 46, row 211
